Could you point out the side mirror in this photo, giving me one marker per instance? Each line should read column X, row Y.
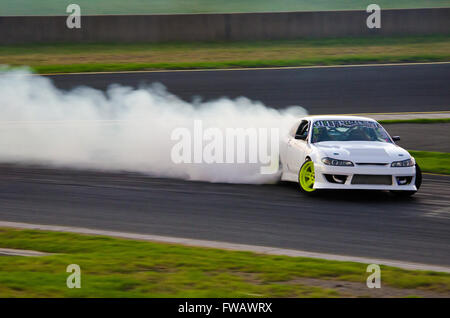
column 395, row 138
column 302, row 137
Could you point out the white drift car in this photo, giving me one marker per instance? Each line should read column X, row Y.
column 347, row 152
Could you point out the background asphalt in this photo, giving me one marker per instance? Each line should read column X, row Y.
column 426, row 137
column 330, row 90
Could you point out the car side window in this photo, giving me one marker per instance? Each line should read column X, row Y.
column 300, row 127
column 303, row 128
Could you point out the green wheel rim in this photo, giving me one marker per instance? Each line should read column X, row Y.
column 306, row 177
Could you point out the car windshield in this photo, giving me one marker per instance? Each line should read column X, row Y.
column 348, row 130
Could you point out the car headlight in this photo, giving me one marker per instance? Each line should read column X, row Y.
column 403, row 163
column 336, row 162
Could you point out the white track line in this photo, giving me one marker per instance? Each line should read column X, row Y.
column 227, row 246
column 15, row 252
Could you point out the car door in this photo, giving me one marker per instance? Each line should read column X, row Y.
column 297, row 147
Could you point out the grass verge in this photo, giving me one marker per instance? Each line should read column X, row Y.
column 112, row 267
column 114, row 67
column 415, row 121
column 96, row 57
column 434, row 162
column 54, row 7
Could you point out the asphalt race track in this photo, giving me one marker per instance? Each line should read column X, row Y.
column 426, row 137
column 329, row 90
column 372, row 224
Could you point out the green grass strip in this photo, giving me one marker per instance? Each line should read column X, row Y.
column 112, row 267
column 56, row 7
column 345, row 60
column 434, row 162
column 338, row 42
column 415, row 121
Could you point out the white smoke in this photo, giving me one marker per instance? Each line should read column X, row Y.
column 123, row 129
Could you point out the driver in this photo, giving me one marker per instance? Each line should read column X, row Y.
column 321, row 134
column 358, row 133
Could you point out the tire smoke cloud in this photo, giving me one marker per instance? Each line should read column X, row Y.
column 123, row 128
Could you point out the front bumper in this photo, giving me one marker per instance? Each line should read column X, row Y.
column 322, row 182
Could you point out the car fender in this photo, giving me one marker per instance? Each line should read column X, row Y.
column 314, row 154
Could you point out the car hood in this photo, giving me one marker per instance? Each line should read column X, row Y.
column 362, row 151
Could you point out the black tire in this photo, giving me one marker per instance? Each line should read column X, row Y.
column 418, row 183
column 418, row 177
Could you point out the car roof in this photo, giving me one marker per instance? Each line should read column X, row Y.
column 337, row 117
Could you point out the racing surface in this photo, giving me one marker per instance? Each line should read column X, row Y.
column 328, row 90
column 425, row 137
column 373, row 224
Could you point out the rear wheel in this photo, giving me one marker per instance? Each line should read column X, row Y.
column 306, row 177
column 418, row 183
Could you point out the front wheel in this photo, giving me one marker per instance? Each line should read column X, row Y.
column 418, row 183
column 306, row 177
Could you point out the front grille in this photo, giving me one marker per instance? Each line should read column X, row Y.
column 371, row 164
column 372, row 179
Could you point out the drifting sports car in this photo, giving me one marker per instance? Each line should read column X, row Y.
column 347, row 152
